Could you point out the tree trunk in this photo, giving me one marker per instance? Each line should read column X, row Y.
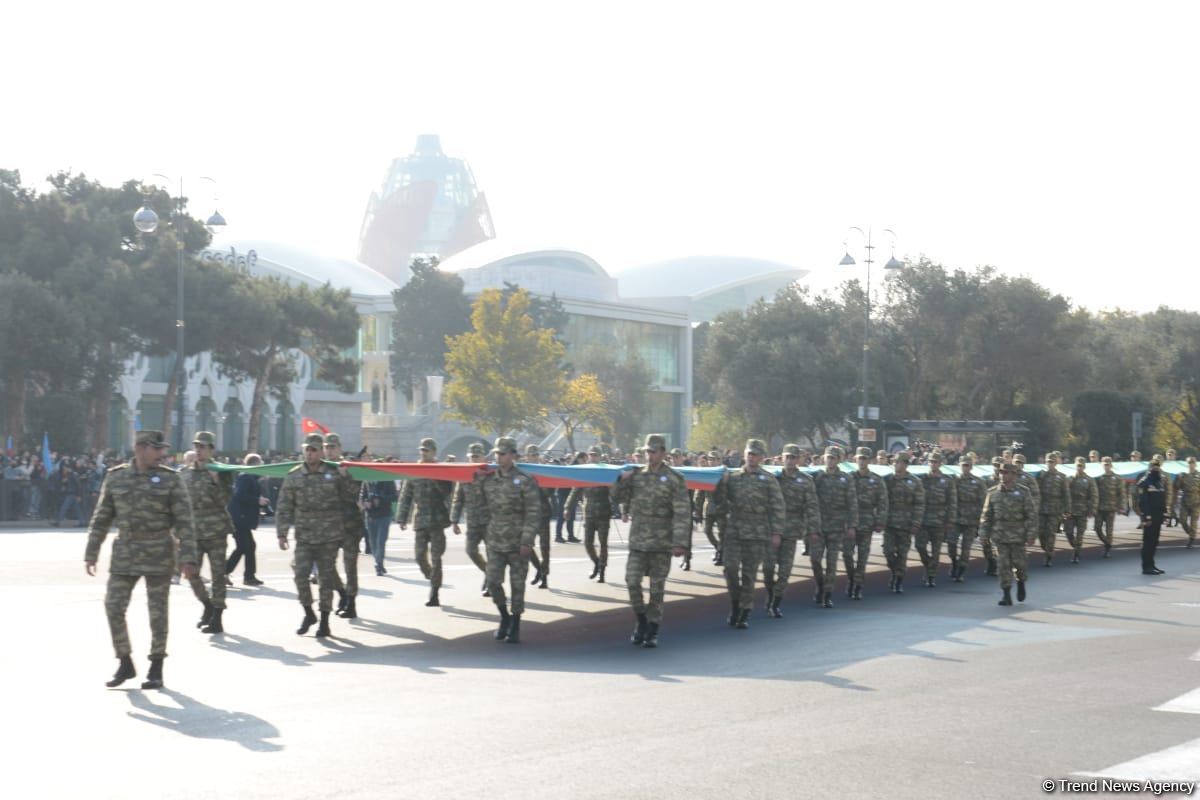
column 14, row 406
column 256, row 404
column 169, row 405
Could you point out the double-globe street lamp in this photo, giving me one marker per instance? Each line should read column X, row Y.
column 146, row 221
column 892, row 264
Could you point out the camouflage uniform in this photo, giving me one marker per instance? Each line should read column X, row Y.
column 714, row 527
column 752, row 506
column 545, row 496
column 1111, row 496
column 1187, row 489
column 906, row 510
column 801, row 518
column 1084, row 500
column 146, row 507
column 597, row 517
column 941, row 515
column 969, row 492
column 468, row 496
column 660, row 519
column 872, row 515
column 1053, row 507
column 312, row 501
column 838, row 501
column 1009, row 521
column 209, row 493
column 427, row 502
column 1029, row 482
column 353, row 530
column 512, row 500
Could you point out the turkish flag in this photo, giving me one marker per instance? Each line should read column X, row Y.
column 311, row 426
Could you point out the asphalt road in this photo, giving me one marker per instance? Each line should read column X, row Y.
column 936, row 693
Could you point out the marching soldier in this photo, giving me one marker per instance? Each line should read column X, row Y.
column 1110, row 494
column 872, row 516
column 989, row 552
column 1187, row 489
column 1084, row 500
column 679, row 459
column 312, row 499
column 655, row 498
column 514, row 515
column 714, row 521
column 906, row 511
column 210, row 493
column 752, row 505
column 352, row 535
column 427, row 501
column 1054, row 505
column 970, row 490
column 941, row 514
column 801, row 518
column 839, row 519
column 1009, row 520
column 533, row 456
column 597, row 517
column 1153, row 499
column 468, row 496
column 147, row 502
column 1025, row 479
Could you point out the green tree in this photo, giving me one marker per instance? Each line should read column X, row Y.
column 627, row 381
column 430, row 308
column 718, row 428
column 547, row 312
column 585, row 405
column 504, row 372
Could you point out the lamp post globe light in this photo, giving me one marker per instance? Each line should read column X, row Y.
column 146, row 221
column 892, row 264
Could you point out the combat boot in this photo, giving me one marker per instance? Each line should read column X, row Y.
column 991, row 567
column 639, row 631
column 773, row 608
column 433, row 599
column 1049, row 560
column 537, row 577
column 1075, row 558
column 827, row 600
column 743, row 620
column 595, row 570
column 341, row 606
column 651, row 635
column 505, row 622
column 214, row 623
column 206, row 617
column 1107, row 547
column 769, row 584
column 154, row 678
column 309, row 620
column 125, row 671
column 1021, row 591
column 514, row 630
column 850, row 589
column 719, row 561
column 687, row 562
column 542, row 582
column 952, row 552
column 892, row 583
column 1007, row 599
column 600, row 578
column 484, row 591
column 351, row 609
column 734, row 614
column 323, row 628
column 858, row 591
column 899, row 585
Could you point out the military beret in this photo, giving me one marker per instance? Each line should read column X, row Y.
column 476, row 449
column 756, row 447
column 505, row 444
column 655, row 441
column 152, row 438
column 313, row 440
column 862, row 452
column 791, row 450
column 428, row 444
column 595, row 450
column 333, row 438
column 205, row 437
column 531, row 450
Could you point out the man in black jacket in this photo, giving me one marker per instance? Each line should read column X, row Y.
column 244, row 508
column 1152, row 491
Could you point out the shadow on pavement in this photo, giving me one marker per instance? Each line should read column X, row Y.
column 193, row 718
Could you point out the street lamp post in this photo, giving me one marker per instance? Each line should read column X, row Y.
column 892, row 264
column 146, row 221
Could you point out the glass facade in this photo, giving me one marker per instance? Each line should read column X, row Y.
column 657, row 345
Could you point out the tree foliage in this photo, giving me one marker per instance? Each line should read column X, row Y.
column 585, row 405
column 626, row 379
column 504, row 372
column 718, row 428
column 430, row 308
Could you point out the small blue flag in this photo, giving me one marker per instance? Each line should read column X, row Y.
column 46, row 453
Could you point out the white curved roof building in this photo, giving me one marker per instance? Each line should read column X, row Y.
column 712, row 283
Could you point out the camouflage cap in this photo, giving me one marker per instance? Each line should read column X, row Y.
column 532, row 450
column 595, row 450
column 997, row 461
column 1080, row 460
column 863, row 452
column 1106, row 460
column 903, row 457
column 833, row 450
column 333, row 438
column 1009, row 468
column 476, row 449
column 314, row 440
column 1053, row 456
column 1019, row 458
column 756, row 446
column 655, row 441
column 968, row 460
column 675, row 451
column 428, row 444
column 1156, row 460
column 152, row 438
column 936, row 455
column 205, row 437
column 505, row 444
column 713, row 454
column 791, row 450
column 1191, row 459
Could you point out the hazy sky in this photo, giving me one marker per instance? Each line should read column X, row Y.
column 1054, row 139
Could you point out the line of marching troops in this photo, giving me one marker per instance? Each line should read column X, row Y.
column 170, row 521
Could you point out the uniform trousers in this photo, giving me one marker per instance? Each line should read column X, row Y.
column 896, row 544
column 823, row 550
column 778, row 565
column 518, row 569
column 475, row 534
column 428, row 549
column 116, row 603
column 742, row 559
column 596, row 529
column 323, row 556
column 1011, row 558
column 855, row 552
column 215, row 550
column 655, row 566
